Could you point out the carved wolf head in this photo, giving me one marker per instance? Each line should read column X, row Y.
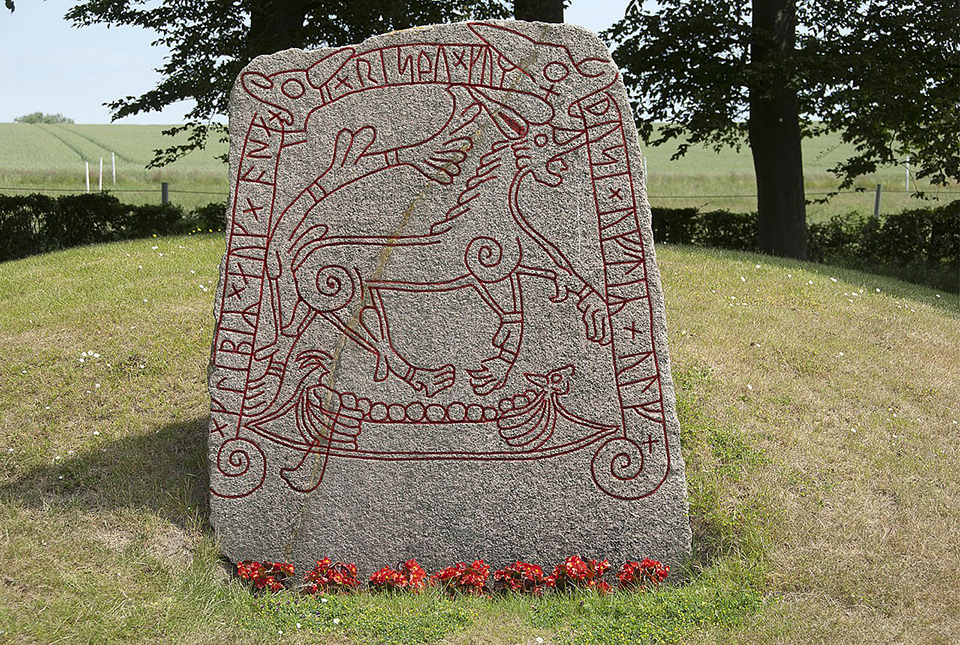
column 553, row 83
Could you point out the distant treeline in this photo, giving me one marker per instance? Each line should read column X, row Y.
column 40, row 117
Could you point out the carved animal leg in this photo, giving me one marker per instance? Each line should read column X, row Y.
column 263, row 392
column 494, row 371
column 389, row 360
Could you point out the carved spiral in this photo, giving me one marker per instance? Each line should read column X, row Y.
column 488, row 261
column 241, row 468
column 618, row 469
column 325, row 287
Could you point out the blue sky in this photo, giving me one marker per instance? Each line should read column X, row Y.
column 48, row 66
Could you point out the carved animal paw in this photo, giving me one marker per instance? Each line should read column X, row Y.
column 442, row 162
column 432, row 381
column 596, row 319
column 491, row 376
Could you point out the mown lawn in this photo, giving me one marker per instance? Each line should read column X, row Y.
column 819, row 424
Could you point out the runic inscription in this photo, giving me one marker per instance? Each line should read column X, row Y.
column 439, row 319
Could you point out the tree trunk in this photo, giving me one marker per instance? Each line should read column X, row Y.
column 275, row 25
column 538, row 10
column 774, row 129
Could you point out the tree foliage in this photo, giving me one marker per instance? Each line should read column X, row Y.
column 40, row 117
column 883, row 73
column 210, row 41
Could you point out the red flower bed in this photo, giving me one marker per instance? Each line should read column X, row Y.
column 639, row 575
column 410, row 576
column 265, row 575
column 460, row 578
column 520, row 577
column 577, row 573
column 331, row 577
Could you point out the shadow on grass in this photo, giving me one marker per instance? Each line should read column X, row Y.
column 164, row 472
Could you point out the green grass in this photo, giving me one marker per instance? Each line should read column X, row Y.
column 52, row 156
column 818, row 422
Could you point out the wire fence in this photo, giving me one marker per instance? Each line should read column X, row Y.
column 125, row 190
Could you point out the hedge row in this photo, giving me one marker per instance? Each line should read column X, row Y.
column 921, row 245
column 31, row 224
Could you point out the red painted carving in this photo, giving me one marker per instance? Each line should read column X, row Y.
column 286, row 272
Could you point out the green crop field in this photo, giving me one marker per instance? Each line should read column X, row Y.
column 51, row 157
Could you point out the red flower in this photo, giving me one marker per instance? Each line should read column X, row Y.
column 460, row 578
column 520, row 577
column 265, row 574
column 410, row 576
column 576, row 573
column 331, row 577
column 639, row 575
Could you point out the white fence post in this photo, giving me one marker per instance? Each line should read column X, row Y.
column 87, row 164
column 100, row 177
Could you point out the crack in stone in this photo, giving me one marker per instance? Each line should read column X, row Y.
column 321, row 457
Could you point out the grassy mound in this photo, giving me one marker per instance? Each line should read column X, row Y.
column 819, row 414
